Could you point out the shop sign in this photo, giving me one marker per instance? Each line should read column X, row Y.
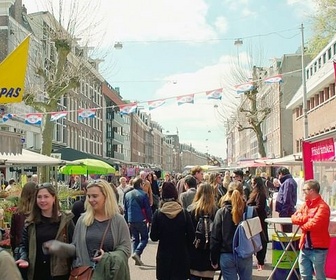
column 323, row 150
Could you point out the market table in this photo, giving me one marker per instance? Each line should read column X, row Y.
column 285, row 238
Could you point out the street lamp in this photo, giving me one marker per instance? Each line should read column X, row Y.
column 304, row 88
column 118, row 45
column 238, row 43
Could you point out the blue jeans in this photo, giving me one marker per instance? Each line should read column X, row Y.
column 139, row 232
column 310, row 261
column 232, row 267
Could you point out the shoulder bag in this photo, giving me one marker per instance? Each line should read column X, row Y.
column 86, row 272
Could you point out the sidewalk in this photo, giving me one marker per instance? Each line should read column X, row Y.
column 147, row 272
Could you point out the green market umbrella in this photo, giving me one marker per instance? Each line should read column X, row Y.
column 87, row 166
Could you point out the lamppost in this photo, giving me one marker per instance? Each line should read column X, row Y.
column 238, row 43
column 304, row 87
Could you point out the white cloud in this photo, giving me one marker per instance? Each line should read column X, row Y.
column 246, row 12
column 165, row 19
column 236, row 4
column 195, row 120
column 304, row 8
column 221, row 24
column 145, row 20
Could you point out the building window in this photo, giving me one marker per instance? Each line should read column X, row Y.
column 329, row 53
column 324, row 58
column 317, row 100
column 307, row 74
column 321, row 96
column 332, row 90
column 326, row 94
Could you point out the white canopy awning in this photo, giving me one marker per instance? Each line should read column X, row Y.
column 293, row 159
column 28, row 158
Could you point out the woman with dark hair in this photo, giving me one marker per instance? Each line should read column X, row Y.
column 155, row 191
column 172, row 227
column 18, row 219
column 45, row 222
column 21, row 213
column 225, row 224
column 258, row 200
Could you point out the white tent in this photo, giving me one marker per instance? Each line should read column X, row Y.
column 294, row 159
column 28, row 158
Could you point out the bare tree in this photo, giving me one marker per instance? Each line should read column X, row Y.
column 62, row 65
column 253, row 108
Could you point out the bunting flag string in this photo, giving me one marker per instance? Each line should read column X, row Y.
column 155, row 104
column 242, row 88
column 273, row 79
column 184, row 99
column 55, row 116
column 214, row 94
column 34, row 118
column 86, row 114
column 129, row 108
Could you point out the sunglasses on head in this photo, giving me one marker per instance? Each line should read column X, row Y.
column 95, row 182
column 44, row 185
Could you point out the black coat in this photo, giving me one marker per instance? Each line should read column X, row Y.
column 200, row 258
column 175, row 237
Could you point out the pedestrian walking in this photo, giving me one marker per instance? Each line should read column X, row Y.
column 225, row 224
column 187, row 197
column 173, row 229
column 138, row 215
column 258, row 201
column 202, row 212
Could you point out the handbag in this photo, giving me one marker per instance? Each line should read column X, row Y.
column 81, row 273
column 85, row 272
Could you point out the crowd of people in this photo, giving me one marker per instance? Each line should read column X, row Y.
column 110, row 224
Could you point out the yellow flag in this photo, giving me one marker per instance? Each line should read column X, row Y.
column 13, row 73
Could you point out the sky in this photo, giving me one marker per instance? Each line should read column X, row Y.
column 173, row 48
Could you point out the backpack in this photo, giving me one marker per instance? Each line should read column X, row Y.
column 203, row 232
column 244, row 247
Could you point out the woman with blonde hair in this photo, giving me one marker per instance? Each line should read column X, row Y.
column 203, row 206
column 226, row 221
column 101, row 235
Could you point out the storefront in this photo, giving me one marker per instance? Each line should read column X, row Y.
column 319, row 164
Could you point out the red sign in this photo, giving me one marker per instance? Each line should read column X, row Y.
column 307, row 162
column 323, row 150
